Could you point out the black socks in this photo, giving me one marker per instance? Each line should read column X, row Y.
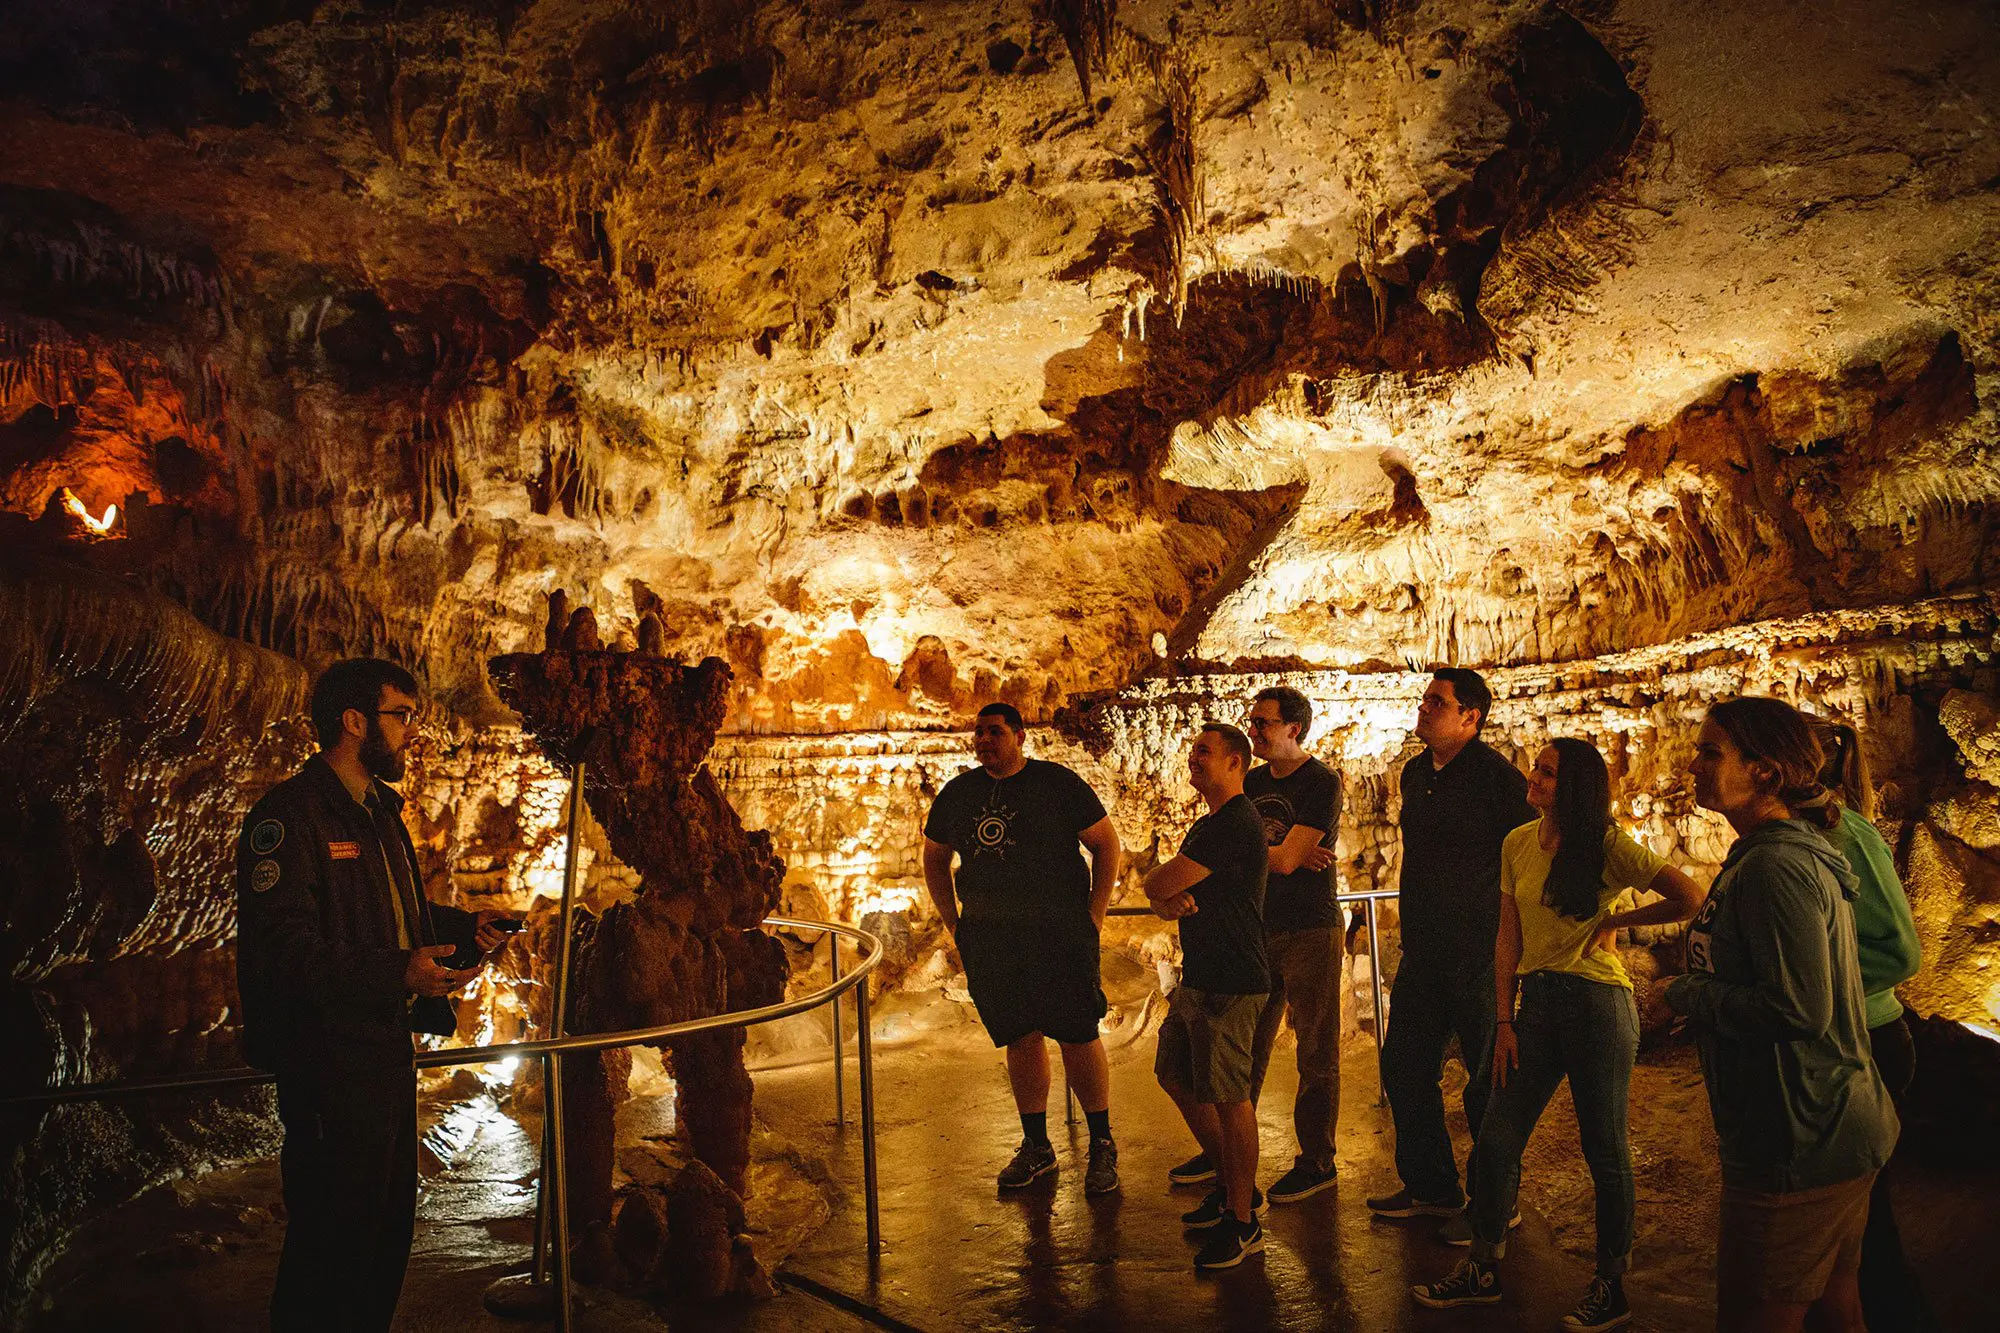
column 1035, row 1127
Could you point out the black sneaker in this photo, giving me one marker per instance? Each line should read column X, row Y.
column 1101, row 1177
column 1229, row 1245
column 1302, row 1182
column 1213, row 1207
column 1196, row 1170
column 1457, row 1229
column 1404, row 1204
column 1031, row 1162
column 1471, row 1283
column 1602, row 1307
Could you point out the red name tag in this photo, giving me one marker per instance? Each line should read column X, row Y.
column 344, row 851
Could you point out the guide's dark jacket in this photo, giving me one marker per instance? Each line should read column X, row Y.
column 317, row 960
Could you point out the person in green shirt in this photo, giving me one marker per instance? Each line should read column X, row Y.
column 1563, row 879
column 1886, row 937
column 1773, row 993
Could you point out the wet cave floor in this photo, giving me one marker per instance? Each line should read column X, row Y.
column 199, row 1254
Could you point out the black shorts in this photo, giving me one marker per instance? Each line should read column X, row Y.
column 1033, row 977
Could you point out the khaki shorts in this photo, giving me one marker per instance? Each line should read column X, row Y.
column 1205, row 1045
column 1787, row 1247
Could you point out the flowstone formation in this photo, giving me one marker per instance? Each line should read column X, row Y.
column 132, row 742
column 685, row 945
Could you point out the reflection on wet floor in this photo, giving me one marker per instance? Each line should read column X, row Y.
column 959, row 1254
column 199, row 1254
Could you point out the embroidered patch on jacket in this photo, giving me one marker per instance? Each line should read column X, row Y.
column 266, row 837
column 263, row 876
column 344, row 851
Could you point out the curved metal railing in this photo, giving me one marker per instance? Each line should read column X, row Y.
column 547, row 1048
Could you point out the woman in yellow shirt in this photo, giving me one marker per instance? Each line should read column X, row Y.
column 1561, row 880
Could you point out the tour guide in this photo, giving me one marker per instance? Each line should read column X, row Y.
column 1215, row 888
column 1025, row 915
column 339, row 959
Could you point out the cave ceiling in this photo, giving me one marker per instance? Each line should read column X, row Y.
column 904, row 355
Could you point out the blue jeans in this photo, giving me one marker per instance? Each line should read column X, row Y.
column 1588, row 1032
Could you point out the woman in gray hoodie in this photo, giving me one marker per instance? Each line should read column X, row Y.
column 1774, row 993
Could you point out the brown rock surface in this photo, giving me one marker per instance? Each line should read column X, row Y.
column 686, row 944
column 886, row 360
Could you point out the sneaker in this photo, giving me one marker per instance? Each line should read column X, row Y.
column 1471, row 1283
column 1213, row 1207
column 1602, row 1307
column 1101, row 1177
column 1031, row 1162
column 1457, row 1229
column 1404, row 1204
column 1302, row 1182
column 1196, row 1170
column 1228, row 1246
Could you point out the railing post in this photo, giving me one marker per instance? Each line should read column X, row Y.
column 1375, row 981
column 839, row 1056
column 555, row 1172
column 867, row 1054
column 550, row 1194
column 541, row 1271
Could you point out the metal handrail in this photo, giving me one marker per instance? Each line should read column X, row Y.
column 1367, row 900
column 473, row 1055
column 551, row 1204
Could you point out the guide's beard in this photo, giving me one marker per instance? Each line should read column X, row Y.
column 376, row 756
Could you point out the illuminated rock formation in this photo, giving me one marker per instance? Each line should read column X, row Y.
column 132, row 742
column 1108, row 357
column 686, row 944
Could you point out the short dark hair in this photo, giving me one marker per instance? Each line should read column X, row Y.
column 1293, row 707
column 1006, row 713
column 1233, row 740
column 1469, row 688
column 356, row 683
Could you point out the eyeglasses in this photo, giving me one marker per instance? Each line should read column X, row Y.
column 1255, row 723
column 402, row 715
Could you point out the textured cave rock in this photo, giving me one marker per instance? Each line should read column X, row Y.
column 132, row 742
column 905, row 358
column 686, row 944
column 1111, row 357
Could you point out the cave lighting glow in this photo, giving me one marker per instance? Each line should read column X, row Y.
column 82, row 511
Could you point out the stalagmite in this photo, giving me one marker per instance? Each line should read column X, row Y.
column 687, row 945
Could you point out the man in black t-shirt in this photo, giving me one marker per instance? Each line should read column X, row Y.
column 1298, row 798
column 1025, row 913
column 1215, row 889
column 1461, row 799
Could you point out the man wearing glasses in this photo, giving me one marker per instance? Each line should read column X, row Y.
column 1461, row 799
column 339, row 958
column 1298, row 799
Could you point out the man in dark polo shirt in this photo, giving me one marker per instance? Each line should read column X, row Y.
column 1214, row 888
column 1460, row 801
column 1025, row 915
column 339, row 958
